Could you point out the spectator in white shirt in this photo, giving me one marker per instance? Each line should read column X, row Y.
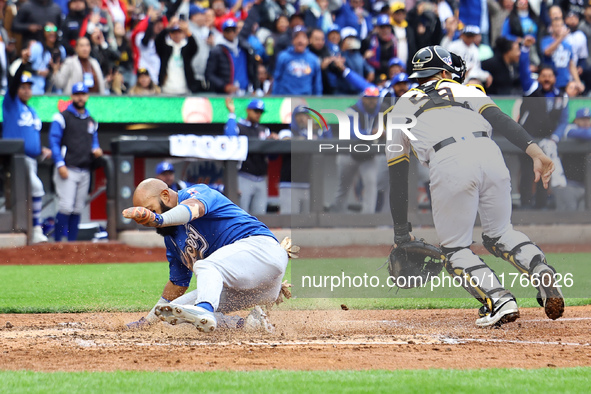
column 467, row 50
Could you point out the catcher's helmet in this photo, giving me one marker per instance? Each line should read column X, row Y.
column 430, row 60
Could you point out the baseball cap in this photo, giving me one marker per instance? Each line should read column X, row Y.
column 256, row 104
column 583, row 113
column 195, row 9
column 79, row 87
column 297, row 30
column 229, row 23
column 332, row 28
column 371, row 91
column 396, row 61
column 27, row 77
column 397, row 6
column 163, row 167
column 285, row 133
column 142, row 71
column 347, row 32
column 299, row 110
column 383, row 20
column 471, row 29
column 400, row 77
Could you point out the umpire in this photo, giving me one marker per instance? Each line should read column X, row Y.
column 74, row 144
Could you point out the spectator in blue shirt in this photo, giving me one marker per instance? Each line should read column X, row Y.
column 558, row 53
column 350, row 50
column 521, row 22
column 298, row 70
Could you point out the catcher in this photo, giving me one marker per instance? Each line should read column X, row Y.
column 467, row 176
column 237, row 261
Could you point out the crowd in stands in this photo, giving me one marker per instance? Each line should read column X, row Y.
column 286, row 47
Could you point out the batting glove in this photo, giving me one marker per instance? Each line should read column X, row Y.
column 143, row 216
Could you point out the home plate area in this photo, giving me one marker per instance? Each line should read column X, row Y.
column 304, row 340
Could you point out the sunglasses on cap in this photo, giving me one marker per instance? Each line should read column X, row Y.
column 50, row 29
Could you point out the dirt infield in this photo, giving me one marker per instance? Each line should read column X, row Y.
column 304, row 340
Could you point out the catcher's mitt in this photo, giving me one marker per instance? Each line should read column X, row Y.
column 414, row 263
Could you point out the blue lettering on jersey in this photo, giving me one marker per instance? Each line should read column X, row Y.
column 222, row 224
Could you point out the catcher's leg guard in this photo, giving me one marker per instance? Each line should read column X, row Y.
column 517, row 249
column 476, row 277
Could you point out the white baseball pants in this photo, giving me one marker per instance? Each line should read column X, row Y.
column 241, row 275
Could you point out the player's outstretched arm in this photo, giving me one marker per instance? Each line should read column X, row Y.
column 183, row 213
column 503, row 124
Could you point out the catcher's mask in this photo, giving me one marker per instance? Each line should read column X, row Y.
column 414, row 263
column 459, row 65
column 431, row 60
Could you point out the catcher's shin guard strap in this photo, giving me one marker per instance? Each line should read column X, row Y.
column 449, row 251
column 491, row 245
column 537, row 260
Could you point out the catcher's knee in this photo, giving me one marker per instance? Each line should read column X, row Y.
column 515, row 248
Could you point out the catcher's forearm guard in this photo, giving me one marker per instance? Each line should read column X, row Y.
column 414, row 263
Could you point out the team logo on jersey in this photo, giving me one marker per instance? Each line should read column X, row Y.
column 192, row 192
column 299, row 68
column 27, row 119
column 90, row 127
column 195, row 247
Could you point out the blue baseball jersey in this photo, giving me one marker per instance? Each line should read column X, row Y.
column 222, row 224
column 19, row 121
column 560, row 60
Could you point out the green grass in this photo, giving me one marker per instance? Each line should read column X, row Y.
column 573, row 380
column 136, row 287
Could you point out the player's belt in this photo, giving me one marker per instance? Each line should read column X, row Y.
column 451, row 140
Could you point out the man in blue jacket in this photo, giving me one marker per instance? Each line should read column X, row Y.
column 20, row 121
column 298, row 70
column 74, row 145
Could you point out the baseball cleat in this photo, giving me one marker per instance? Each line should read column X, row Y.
column 38, row 236
column 257, row 321
column 201, row 318
column 505, row 311
column 483, row 311
column 550, row 296
column 164, row 313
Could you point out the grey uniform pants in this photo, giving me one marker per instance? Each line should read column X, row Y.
column 72, row 191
